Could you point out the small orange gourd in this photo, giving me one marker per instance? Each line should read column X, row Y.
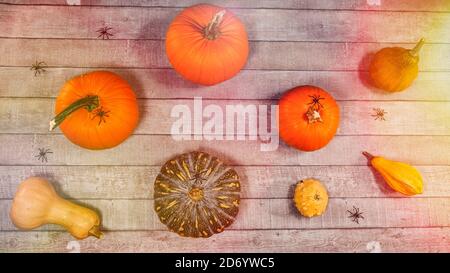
column 394, row 69
column 400, row 176
column 207, row 44
column 96, row 110
column 36, row 203
column 310, row 197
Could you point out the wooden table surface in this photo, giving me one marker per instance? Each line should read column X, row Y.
column 322, row 42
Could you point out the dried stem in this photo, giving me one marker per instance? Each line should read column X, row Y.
column 368, row 155
column 417, row 48
column 212, row 31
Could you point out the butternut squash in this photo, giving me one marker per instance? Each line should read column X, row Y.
column 400, row 176
column 36, row 203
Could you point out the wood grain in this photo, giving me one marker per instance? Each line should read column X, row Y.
column 151, row 54
column 276, row 214
column 248, row 84
column 331, row 240
column 261, row 24
column 402, row 118
column 136, row 182
column 324, row 43
column 410, row 5
column 155, row 150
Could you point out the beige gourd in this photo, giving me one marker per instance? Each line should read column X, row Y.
column 36, row 203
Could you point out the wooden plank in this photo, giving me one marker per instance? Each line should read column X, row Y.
column 410, row 5
column 155, row 150
column 402, row 118
column 248, row 84
column 150, row 54
column 261, row 24
column 136, row 182
column 232, row 241
column 276, row 214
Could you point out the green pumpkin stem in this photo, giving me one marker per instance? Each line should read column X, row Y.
column 416, row 49
column 212, row 31
column 89, row 103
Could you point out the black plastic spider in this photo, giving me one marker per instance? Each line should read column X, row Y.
column 355, row 214
column 315, row 101
column 104, row 33
column 38, row 68
column 379, row 114
column 102, row 114
column 198, row 177
column 42, row 155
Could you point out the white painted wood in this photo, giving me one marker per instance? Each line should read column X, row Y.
column 330, row 240
column 155, row 150
column 248, row 84
column 261, row 24
column 151, row 54
column 136, row 182
column 276, row 214
column 411, row 5
column 357, row 118
column 322, row 46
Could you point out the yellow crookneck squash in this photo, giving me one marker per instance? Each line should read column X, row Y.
column 400, row 176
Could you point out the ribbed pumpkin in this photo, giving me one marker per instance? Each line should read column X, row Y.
column 96, row 110
column 196, row 195
column 207, row 44
column 308, row 117
column 394, row 69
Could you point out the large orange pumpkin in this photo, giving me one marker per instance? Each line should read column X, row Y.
column 207, row 44
column 308, row 118
column 96, row 110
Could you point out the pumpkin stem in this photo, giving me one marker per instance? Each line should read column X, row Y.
column 89, row 102
column 368, row 155
column 313, row 115
column 95, row 231
column 416, row 49
column 212, row 31
column 196, row 194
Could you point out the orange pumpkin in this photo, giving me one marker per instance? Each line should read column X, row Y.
column 308, row 117
column 207, row 44
column 96, row 110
